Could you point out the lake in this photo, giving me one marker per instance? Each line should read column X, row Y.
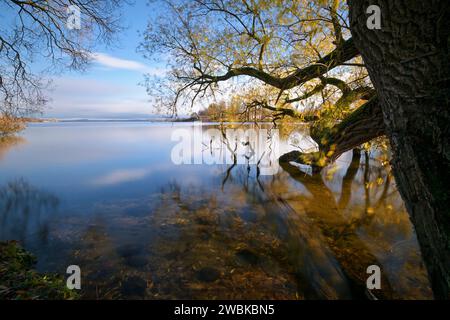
column 114, row 199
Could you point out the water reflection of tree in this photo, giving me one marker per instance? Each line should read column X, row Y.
column 8, row 142
column 348, row 228
column 25, row 212
column 351, row 252
column 242, row 241
column 253, row 237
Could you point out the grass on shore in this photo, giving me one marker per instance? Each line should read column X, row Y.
column 18, row 281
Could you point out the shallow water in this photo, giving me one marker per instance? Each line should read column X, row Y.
column 109, row 198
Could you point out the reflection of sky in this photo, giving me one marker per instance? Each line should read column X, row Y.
column 84, row 161
column 119, row 170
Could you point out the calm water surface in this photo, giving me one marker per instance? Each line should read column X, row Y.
column 108, row 197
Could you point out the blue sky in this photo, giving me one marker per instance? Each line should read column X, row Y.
column 110, row 86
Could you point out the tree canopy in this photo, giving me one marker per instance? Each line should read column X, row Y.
column 300, row 49
column 299, row 55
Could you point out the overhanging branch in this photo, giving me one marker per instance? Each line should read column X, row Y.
column 337, row 57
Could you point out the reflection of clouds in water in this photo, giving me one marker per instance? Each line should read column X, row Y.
column 318, row 239
column 289, row 223
column 77, row 144
column 121, row 176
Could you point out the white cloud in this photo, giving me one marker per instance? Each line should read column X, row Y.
column 96, row 98
column 120, row 176
column 124, row 64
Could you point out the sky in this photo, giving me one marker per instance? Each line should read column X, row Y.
column 110, row 87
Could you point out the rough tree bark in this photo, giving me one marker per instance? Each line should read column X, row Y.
column 409, row 64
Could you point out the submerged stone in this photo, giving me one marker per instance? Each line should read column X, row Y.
column 208, row 274
column 129, row 250
column 246, row 256
column 249, row 215
column 136, row 261
column 133, row 286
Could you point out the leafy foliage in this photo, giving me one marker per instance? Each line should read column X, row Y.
column 299, row 51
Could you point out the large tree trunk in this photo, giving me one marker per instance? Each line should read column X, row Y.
column 409, row 64
column 362, row 125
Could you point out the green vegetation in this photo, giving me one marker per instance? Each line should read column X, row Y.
column 18, row 281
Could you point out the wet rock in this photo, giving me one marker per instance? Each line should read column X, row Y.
column 205, row 235
column 172, row 255
column 202, row 220
column 207, row 274
column 133, row 286
column 129, row 250
column 136, row 261
column 246, row 256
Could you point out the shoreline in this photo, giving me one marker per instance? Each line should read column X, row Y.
column 136, row 120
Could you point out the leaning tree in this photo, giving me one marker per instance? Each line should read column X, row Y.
column 311, row 53
column 302, row 50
